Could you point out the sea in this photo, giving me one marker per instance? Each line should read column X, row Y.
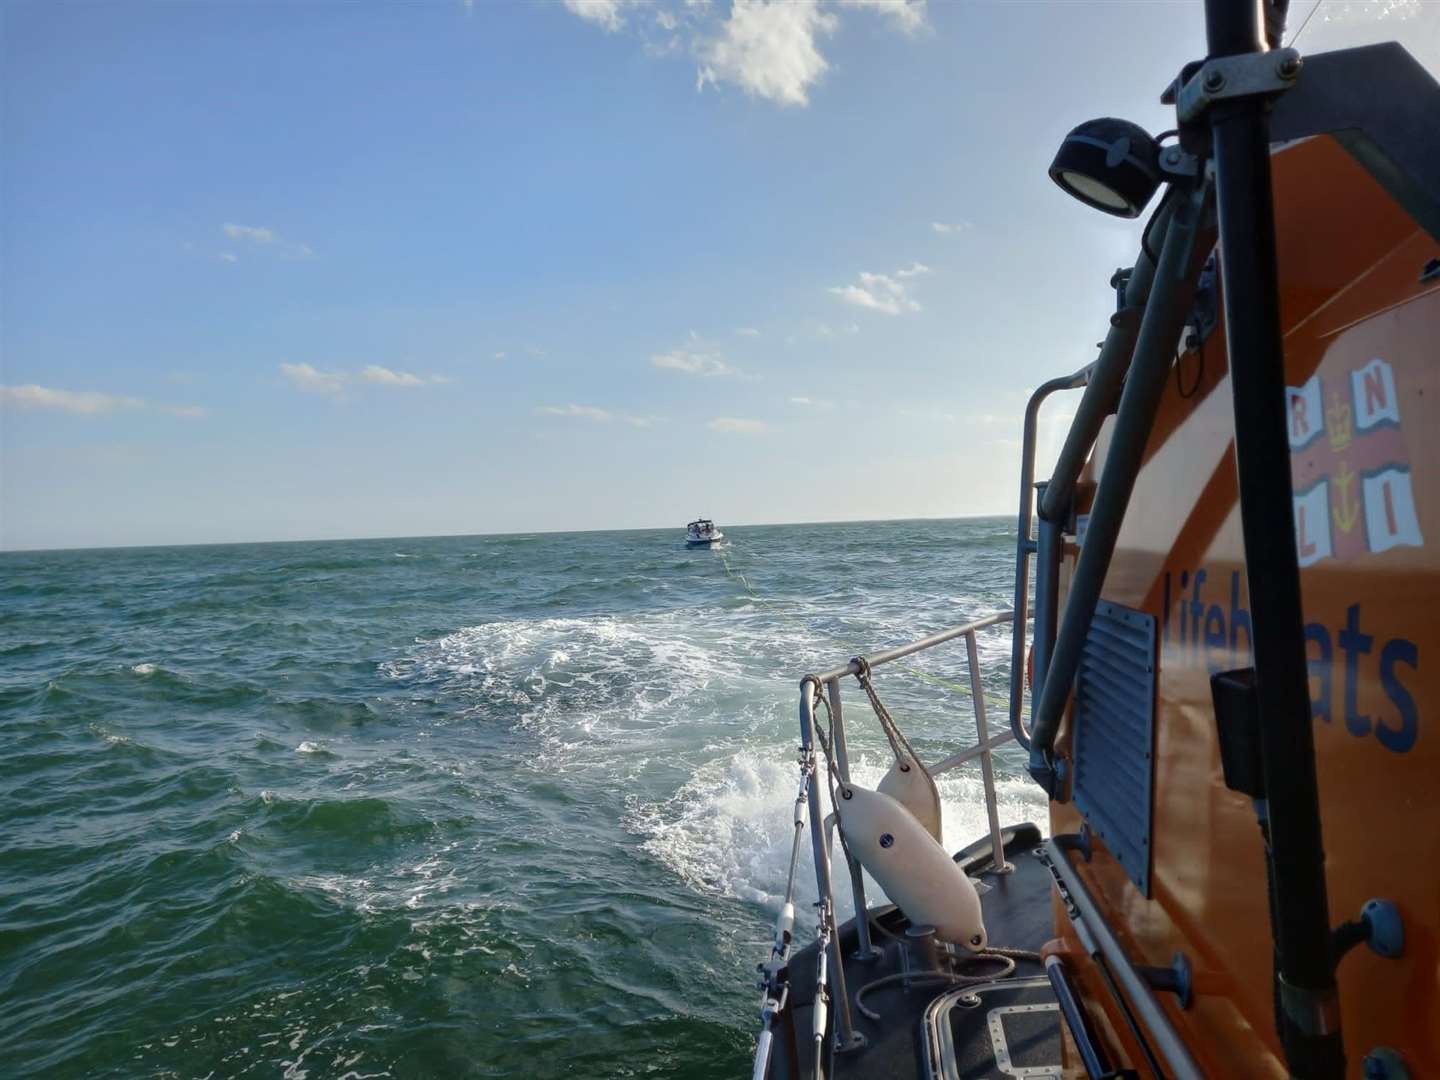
column 471, row 806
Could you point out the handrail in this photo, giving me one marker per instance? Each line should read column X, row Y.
column 826, row 686
column 1025, row 547
column 886, row 656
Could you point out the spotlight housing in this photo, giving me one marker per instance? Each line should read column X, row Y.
column 1112, row 165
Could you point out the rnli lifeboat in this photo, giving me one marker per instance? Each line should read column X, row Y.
column 1223, row 685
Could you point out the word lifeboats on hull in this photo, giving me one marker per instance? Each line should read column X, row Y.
column 1228, row 655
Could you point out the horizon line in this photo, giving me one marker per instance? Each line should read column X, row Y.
column 489, row 535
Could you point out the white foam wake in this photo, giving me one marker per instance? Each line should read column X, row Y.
column 729, row 829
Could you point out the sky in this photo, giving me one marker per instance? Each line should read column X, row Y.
column 317, row 270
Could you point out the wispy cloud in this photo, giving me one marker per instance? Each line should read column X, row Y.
column 747, row 331
column 882, row 292
column 86, row 402
column 587, row 412
column 262, row 238
column 811, row 403
column 313, row 380
column 693, row 362
column 256, row 234
column 945, row 228
column 770, row 49
column 736, row 425
column 606, row 13
column 599, row 415
column 908, row 15
column 374, row 373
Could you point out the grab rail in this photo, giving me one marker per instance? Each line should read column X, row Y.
column 832, row 974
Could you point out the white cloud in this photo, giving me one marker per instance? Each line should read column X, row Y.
column 263, row 236
column 747, row 331
column 768, row 48
column 587, row 412
column 771, row 49
column 881, row 292
column 736, row 424
column 374, row 373
column 909, row 15
column 312, row 380
column 86, row 402
column 607, row 13
column 603, row 416
column 825, row 330
column 944, row 228
column 257, row 234
column 811, row 403
column 693, row 363
column 499, row 356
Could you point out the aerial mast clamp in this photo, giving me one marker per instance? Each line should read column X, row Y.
column 1226, row 78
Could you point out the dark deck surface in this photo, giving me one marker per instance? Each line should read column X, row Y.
column 1017, row 915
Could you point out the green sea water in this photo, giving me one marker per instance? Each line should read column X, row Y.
column 462, row 806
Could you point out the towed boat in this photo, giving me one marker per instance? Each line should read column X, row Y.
column 702, row 532
column 1233, row 599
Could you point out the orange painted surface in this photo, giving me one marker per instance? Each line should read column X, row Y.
column 1350, row 264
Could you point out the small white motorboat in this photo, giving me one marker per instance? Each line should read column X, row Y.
column 702, row 533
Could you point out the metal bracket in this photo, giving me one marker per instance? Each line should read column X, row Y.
column 857, row 1041
column 1176, row 163
column 1224, row 78
column 1176, row 979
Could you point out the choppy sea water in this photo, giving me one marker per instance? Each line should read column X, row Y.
column 463, row 806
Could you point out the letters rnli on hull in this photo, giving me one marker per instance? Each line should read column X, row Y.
column 1350, row 464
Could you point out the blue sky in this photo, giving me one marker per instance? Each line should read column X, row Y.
column 274, row 271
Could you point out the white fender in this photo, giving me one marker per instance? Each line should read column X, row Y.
column 915, row 871
column 914, row 789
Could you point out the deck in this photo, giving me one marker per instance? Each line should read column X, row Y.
column 1017, row 915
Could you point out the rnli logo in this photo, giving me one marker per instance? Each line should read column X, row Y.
column 1350, row 468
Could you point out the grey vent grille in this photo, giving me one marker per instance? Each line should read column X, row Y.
column 1114, row 724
